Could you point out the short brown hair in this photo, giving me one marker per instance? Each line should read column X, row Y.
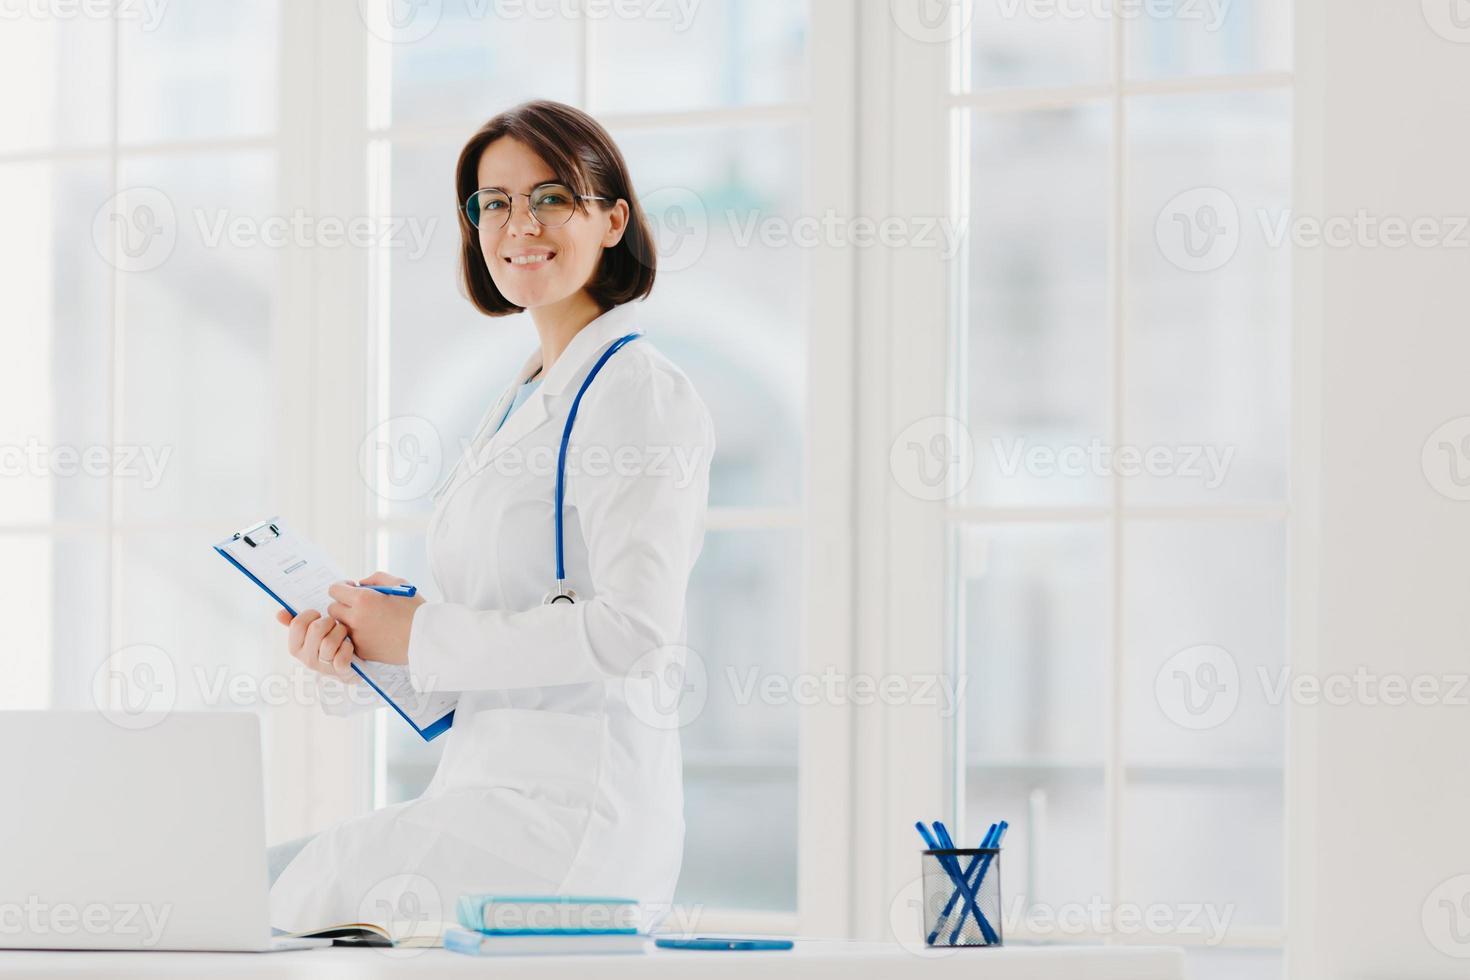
column 584, row 157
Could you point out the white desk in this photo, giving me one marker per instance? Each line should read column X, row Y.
column 811, row 958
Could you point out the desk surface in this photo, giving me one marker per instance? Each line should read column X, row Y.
column 811, row 958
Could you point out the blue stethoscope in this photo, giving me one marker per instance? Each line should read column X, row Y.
column 561, row 593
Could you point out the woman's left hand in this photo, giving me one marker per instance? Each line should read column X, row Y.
column 378, row 624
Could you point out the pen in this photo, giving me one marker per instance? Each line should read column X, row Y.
column 956, row 874
column 403, row 591
column 993, row 837
column 971, row 892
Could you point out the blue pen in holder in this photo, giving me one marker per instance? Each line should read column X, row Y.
column 962, row 896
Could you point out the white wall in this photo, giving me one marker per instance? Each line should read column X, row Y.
column 1385, row 817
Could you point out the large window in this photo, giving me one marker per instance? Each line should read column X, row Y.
column 236, row 294
column 1121, row 361
column 712, row 116
column 138, row 404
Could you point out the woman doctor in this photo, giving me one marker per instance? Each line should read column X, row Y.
column 557, row 775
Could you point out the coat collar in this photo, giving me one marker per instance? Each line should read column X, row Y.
column 579, row 354
column 583, row 348
column 572, row 365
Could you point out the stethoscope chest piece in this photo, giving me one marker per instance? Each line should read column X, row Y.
column 559, row 595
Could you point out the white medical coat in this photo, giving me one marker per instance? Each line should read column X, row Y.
column 562, row 771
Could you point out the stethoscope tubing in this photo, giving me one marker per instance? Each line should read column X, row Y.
column 561, row 456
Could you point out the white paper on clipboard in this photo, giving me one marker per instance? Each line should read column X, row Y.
column 297, row 574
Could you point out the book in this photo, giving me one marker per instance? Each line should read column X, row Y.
column 538, row 915
column 416, row 935
column 473, row 943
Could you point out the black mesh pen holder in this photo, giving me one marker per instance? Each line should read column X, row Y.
column 965, row 914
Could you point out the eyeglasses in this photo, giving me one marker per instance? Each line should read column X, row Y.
column 551, row 205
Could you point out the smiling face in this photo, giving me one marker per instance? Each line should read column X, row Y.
column 533, row 265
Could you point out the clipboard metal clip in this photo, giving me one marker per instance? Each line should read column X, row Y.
column 259, row 535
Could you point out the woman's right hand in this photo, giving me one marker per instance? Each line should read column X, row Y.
column 321, row 643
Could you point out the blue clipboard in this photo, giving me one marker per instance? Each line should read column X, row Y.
column 271, row 531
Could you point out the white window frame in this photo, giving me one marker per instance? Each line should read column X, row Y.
column 1304, row 549
column 294, row 804
column 911, row 157
column 879, row 339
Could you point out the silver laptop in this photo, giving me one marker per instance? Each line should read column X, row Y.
column 149, row 835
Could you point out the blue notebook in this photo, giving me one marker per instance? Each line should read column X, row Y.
column 548, row 915
column 479, row 944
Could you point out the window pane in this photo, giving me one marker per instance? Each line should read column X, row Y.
column 1035, row 621
column 464, row 60
column 1016, row 42
column 730, row 303
column 200, row 70
column 1055, row 851
column 1035, row 613
column 1205, row 627
column 63, row 67
column 1169, row 38
column 197, row 306
column 448, row 362
column 54, row 382
column 1208, row 334
column 1213, row 842
column 214, row 638
column 1037, row 331
column 740, row 836
column 686, row 56
column 740, row 750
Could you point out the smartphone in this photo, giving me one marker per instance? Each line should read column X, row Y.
column 714, row 942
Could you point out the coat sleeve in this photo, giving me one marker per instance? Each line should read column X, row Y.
column 642, row 516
